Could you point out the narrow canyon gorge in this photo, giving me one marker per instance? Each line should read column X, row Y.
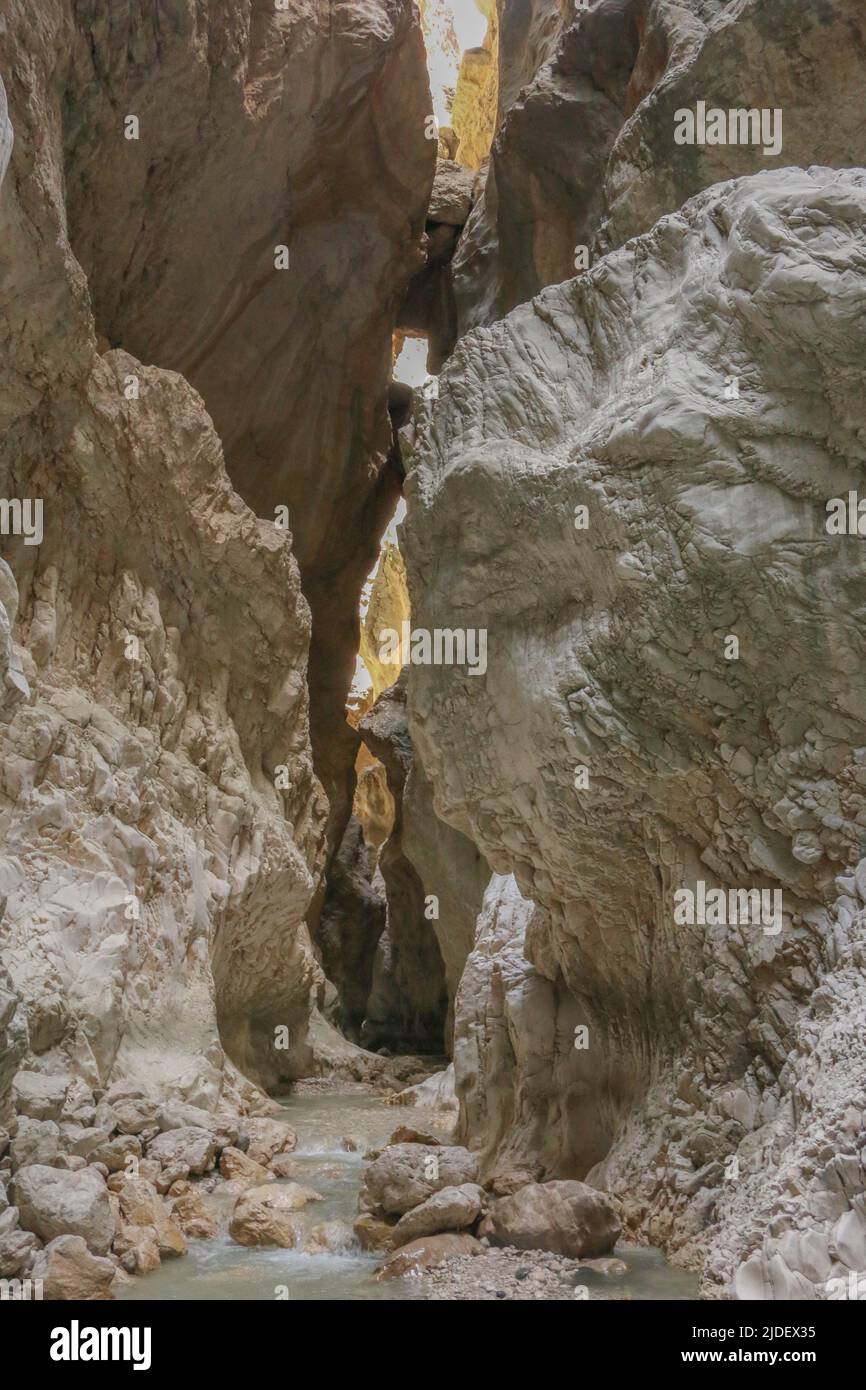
column 432, row 617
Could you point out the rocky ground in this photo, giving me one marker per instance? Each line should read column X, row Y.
column 517, row 1275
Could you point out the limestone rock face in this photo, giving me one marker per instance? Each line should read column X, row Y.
column 155, row 867
column 407, row 1002
column 585, row 154
column 525, row 1085
column 625, row 483
column 260, row 128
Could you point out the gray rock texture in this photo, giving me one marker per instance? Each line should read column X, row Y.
column 625, row 483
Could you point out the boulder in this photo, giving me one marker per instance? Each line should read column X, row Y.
column 449, row 1209
column 52, row 1203
column 404, row 1175
column 266, row 1215
column 239, row 1167
column 37, row 1141
column 329, row 1236
column 141, row 1205
column 371, row 1232
column 116, row 1153
column 68, row 1271
column 17, row 1251
column 268, row 1138
column 183, row 1151
column 193, row 1217
column 137, row 1248
column 427, row 1252
column 566, row 1218
column 39, row 1097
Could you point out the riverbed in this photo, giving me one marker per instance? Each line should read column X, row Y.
column 221, row 1269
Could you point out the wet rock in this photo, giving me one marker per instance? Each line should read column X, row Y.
column 371, row 1232
column 268, row 1215
column 269, row 1138
column 191, row 1214
column 137, row 1249
column 567, row 1218
column 329, row 1237
column 239, row 1167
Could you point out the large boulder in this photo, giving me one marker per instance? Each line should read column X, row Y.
column 267, row 1215
column 52, row 1202
column 184, row 1151
column 566, row 1218
column 449, row 1209
column 68, row 1271
column 38, row 1096
column 268, row 1138
column 404, row 1175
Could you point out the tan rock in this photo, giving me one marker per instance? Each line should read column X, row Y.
column 239, row 1167
column 192, row 1215
column 69, row 1272
column 267, row 1215
column 423, row 1254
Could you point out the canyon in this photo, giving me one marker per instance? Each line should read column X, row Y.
column 312, row 942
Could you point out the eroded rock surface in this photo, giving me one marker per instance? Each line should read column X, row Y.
column 617, row 480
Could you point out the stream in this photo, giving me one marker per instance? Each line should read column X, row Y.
column 221, row 1269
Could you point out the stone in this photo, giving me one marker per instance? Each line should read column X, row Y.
column 141, row 1205
column 267, row 1139
column 567, row 1218
column 426, row 1253
column 36, row 1141
column 54, row 1203
column 116, row 1154
column 371, row 1232
column 68, row 1271
column 17, row 1252
column 39, row 1096
column 191, row 1214
column 406, row 1174
column 137, row 1248
column 329, row 1237
column 267, row 1215
column 241, row 1168
column 449, row 1209
column 184, row 1150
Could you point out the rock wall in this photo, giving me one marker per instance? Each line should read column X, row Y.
column 583, row 155
column 162, row 825
column 618, row 479
column 299, row 128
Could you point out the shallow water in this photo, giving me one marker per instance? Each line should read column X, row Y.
column 219, row 1269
